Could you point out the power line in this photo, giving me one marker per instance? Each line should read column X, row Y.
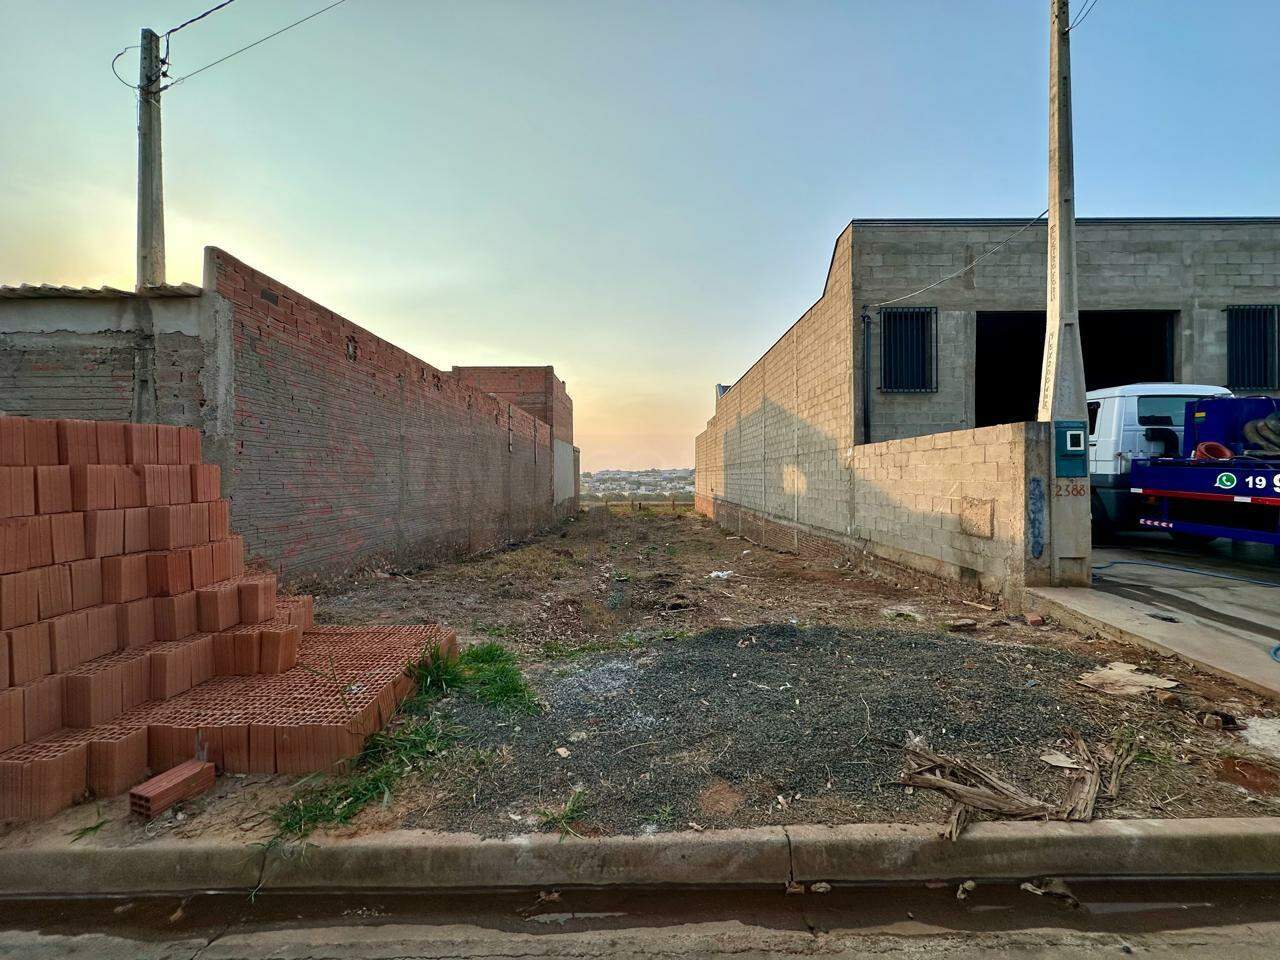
column 968, row 266
column 187, row 23
column 1088, row 9
column 131, row 86
column 250, row 46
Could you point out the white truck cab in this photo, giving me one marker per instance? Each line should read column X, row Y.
column 1133, row 422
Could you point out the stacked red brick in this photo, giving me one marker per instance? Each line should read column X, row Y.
column 121, row 587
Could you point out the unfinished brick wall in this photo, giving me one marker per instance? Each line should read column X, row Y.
column 334, row 444
column 348, row 446
column 104, row 357
column 535, row 390
column 539, row 392
column 38, row 379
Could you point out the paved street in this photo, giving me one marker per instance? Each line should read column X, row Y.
column 1240, row 920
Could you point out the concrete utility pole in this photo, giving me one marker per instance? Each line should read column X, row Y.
column 1062, row 390
column 150, row 168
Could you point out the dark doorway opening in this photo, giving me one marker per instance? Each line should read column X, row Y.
column 1120, row 346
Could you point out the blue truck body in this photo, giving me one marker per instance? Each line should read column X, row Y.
column 1236, row 497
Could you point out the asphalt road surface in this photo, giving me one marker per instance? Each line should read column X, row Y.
column 1228, row 919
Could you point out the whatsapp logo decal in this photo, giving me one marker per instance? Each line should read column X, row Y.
column 1225, row 481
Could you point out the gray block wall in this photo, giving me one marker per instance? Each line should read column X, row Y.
column 1192, row 267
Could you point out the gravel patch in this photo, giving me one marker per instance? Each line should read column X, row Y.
column 799, row 724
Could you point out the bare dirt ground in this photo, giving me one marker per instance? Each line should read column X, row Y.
column 778, row 693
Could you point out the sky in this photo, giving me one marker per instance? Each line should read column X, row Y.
column 643, row 194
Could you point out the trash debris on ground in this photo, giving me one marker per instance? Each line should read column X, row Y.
column 1082, row 794
column 964, row 889
column 1122, row 679
column 719, row 574
column 1121, row 756
column 1218, row 720
column 969, row 786
column 975, row 790
column 1054, row 888
column 1056, row 758
column 962, row 625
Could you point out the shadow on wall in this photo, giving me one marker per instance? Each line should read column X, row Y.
column 967, row 505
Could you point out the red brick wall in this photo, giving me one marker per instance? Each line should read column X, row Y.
column 347, row 446
column 535, row 390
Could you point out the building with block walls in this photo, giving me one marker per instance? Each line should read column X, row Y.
column 899, row 424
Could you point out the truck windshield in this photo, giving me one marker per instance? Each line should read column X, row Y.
column 1162, row 411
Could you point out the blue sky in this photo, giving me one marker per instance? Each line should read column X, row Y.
column 643, row 194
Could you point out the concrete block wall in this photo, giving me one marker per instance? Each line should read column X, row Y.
column 967, row 505
column 1194, row 267
column 780, row 441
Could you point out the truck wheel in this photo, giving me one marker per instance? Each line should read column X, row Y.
column 1192, row 541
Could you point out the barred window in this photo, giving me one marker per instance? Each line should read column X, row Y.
column 909, row 349
column 1252, row 360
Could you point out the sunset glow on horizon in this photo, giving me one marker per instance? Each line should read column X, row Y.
column 642, row 195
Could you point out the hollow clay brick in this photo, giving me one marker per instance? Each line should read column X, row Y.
column 53, row 489
column 12, row 442
column 167, row 444
column 140, row 443
column 93, row 487
column 111, row 448
column 87, row 582
column 40, row 443
column 77, row 441
column 104, row 532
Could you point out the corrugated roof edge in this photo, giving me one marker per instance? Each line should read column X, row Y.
column 46, row 291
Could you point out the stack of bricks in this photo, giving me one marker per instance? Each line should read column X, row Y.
column 132, row 638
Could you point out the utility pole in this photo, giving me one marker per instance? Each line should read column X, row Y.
column 1062, row 385
column 150, row 167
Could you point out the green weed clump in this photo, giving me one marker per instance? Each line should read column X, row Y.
column 414, row 741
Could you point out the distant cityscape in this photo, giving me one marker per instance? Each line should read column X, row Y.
column 638, row 484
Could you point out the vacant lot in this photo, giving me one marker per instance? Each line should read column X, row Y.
column 646, row 672
column 686, row 677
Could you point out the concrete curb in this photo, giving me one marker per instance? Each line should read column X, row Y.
column 764, row 857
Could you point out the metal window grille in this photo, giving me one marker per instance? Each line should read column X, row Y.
column 1252, row 358
column 909, row 349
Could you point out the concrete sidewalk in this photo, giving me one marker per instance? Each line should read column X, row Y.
column 1227, row 626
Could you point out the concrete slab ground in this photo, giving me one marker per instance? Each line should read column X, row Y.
column 1218, row 608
